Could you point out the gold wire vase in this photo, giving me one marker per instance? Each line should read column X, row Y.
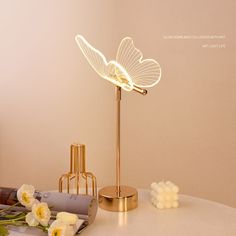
column 78, row 180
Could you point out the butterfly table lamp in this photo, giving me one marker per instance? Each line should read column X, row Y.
column 131, row 73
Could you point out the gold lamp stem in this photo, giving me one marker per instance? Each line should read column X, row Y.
column 118, row 99
column 118, row 198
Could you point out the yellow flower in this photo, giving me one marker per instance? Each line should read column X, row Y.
column 30, row 219
column 67, row 218
column 25, row 195
column 41, row 213
column 59, row 228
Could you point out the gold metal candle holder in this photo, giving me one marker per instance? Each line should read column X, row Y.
column 78, row 178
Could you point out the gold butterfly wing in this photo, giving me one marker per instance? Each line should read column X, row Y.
column 110, row 71
column 143, row 73
column 94, row 57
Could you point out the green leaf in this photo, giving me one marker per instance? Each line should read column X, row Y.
column 15, row 215
column 3, row 231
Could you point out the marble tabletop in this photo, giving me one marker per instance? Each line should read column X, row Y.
column 194, row 217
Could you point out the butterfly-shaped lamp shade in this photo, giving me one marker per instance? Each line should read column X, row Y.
column 130, row 72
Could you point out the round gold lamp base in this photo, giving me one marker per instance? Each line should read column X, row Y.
column 110, row 200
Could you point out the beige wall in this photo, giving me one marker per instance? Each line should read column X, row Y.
column 184, row 130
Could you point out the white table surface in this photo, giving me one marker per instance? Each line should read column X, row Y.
column 194, row 217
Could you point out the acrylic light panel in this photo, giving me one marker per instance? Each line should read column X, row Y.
column 128, row 70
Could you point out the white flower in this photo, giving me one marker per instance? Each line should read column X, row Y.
column 59, row 228
column 41, row 213
column 25, row 195
column 30, row 219
column 67, row 218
